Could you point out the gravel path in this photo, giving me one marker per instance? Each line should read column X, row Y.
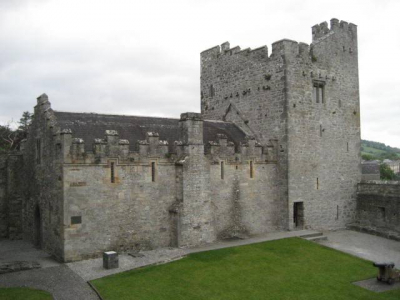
column 60, row 281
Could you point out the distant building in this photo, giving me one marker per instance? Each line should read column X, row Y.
column 370, row 170
column 395, row 166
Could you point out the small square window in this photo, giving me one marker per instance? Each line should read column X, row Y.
column 76, row 220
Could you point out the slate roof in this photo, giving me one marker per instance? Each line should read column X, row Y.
column 89, row 126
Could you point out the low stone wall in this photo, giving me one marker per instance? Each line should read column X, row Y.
column 3, row 204
column 378, row 208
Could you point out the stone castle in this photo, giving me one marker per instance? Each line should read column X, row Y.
column 275, row 147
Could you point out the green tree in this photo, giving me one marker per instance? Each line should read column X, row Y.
column 10, row 138
column 368, row 157
column 388, row 155
column 25, row 121
column 386, row 172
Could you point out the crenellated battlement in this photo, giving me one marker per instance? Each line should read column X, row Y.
column 284, row 46
column 74, row 146
column 260, row 53
column 250, row 149
column 322, row 30
column 112, row 147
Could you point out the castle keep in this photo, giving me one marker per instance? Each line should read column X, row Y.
column 276, row 147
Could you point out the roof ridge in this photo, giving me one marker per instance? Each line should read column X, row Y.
column 117, row 115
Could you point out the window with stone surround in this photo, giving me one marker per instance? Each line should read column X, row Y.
column 318, row 91
column 222, row 170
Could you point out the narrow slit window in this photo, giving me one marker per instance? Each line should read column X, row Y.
column 38, row 151
column 251, row 169
column 212, row 91
column 347, row 149
column 112, row 165
column 153, row 171
column 337, row 212
column 320, row 130
column 317, row 183
column 381, row 213
column 222, row 170
column 315, row 94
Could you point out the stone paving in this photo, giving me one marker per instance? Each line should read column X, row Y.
column 17, row 250
column 370, row 247
column 60, row 281
column 93, row 268
column 69, row 281
column 376, row 286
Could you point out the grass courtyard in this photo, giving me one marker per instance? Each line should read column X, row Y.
column 23, row 293
column 283, row 269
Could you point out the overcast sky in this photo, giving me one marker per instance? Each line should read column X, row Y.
column 143, row 57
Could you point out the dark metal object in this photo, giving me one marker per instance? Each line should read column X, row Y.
column 387, row 273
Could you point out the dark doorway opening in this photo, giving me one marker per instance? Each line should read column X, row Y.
column 38, row 236
column 298, row 215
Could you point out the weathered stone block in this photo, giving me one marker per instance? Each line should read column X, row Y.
column 110, row 260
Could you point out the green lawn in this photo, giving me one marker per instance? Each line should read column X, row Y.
column 23, row 293
column 284, row 269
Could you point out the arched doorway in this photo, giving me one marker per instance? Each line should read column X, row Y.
column 38, row 228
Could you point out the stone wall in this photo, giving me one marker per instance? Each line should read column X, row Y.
column 318, row 144
column 153, row 199
column 14, row 195
column 244, row 206
column 324, row 134
column 3, row 202
column 196, row 223
column 378, row 208
column 248, row 87
column 43, row 190
column 11, row 195
column 131, row 213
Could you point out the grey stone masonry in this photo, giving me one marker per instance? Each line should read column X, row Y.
column 90, row 195
column 304, row 100
column 378, row 208
column 11, row 195
column 3, row 203
column 275, row 147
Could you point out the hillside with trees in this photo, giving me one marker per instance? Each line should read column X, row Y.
column 371, row 150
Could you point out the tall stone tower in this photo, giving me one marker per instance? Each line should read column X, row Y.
column 303, row 99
